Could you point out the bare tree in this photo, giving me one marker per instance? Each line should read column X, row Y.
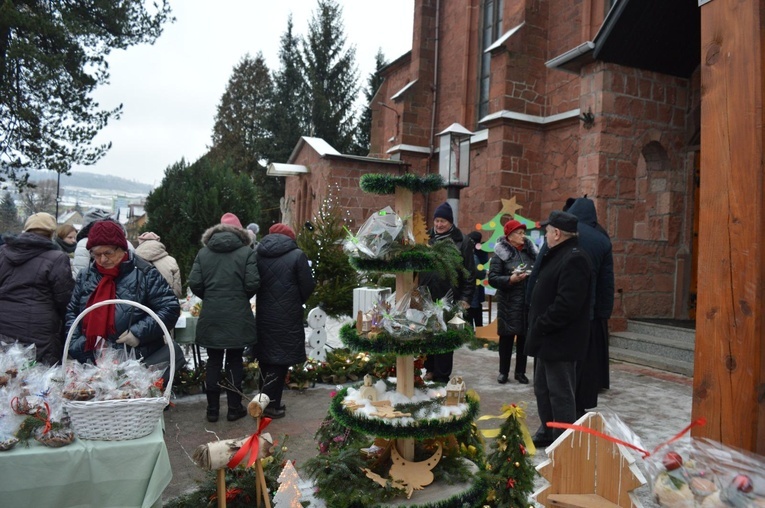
column 40, row 198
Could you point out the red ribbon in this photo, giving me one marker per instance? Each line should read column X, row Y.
column 250, row 447
column 645, row 453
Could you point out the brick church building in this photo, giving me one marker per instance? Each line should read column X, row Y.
column 561, row 99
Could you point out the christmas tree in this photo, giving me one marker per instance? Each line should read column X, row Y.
column 495, row 226
column 509, row 464
column 288, row 495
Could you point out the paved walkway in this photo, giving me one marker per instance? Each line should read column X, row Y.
column 654, row 404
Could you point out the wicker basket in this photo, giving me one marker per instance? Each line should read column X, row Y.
column 117, row 420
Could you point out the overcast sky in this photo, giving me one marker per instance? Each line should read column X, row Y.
column 170, row 90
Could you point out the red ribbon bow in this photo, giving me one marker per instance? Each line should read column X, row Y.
column 250, row 448
column 645, row 453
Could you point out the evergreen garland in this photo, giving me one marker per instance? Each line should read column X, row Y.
column 375, row 183
column 510, row 468
column 440, row 257
column 429, row 343
column 341, row 483
column 389, row 430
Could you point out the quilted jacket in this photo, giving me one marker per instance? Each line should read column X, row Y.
column 140, row 282
column 286, row 282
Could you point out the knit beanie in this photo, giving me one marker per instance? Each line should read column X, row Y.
column 475, row 236
column 444, row 211
column 230, row 219
column 147, row 236
column 282, row 229
column 512, row 225
column 107, row 232
column 253, row 227
column 42, row 221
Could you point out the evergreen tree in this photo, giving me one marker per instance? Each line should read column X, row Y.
column 510, row 467
column 52, row 57
column 241, row 134
column 322, row 243
column 241, row 130
column 288, row 118
column 364, row 130
column 331, row 77
column 192, row 198
column 9, row 215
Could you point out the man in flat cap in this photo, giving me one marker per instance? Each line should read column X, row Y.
column 559, row 323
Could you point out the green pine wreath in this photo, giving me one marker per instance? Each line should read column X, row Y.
column 429, row 343
column 385, row 428
column 375, row 183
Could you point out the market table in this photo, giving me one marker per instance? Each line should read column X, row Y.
column 186, row 333
column 97, row 474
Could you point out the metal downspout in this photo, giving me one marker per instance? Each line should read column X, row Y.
column 435, row 99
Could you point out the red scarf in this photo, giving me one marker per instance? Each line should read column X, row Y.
column 100, row 322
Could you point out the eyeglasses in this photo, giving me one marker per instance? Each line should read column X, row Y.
column 106, row 253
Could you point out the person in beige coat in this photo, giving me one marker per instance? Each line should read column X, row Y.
column 154, row 251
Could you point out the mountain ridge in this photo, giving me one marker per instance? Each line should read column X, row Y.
column 94, row 181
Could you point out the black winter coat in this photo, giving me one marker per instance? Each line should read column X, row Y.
column 35, row 286
column 511, row 299
column 440, row 286
column 139, row 282
column 286, row 282
column 559, row 324
column 225, row 276
column 598, row 246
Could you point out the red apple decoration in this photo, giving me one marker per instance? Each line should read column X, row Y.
column 743, row 483
column 672, row 461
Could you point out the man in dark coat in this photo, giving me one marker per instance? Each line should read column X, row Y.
column 440, row 365
column 559, row 324
column 593, row 371
column 286, row 282
column 225, row 276
column 35, row 286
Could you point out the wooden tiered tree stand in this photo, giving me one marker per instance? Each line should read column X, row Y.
column 414, row 478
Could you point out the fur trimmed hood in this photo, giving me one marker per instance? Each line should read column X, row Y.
column 505, row 251
column 225, row 236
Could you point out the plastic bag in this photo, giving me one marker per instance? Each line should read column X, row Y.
column 699, row 472
column 376, row 236
column 414, row 314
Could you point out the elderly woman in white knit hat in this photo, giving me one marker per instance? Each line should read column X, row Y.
column 36, row 286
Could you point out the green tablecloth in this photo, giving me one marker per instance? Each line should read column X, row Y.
column 95, row 474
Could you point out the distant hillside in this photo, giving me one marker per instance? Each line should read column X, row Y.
column 94, row 181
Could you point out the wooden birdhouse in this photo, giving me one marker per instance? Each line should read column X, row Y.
column 586, row 471
column 456, row 322
column 368, row 391
column 455, row 391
